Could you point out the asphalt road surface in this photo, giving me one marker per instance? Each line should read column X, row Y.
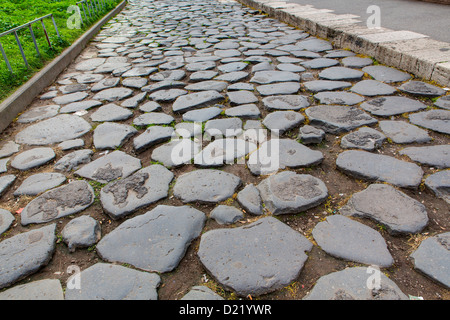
column 430, row 19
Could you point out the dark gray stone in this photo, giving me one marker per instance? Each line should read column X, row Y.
column 341, row 73
column 196, row 100
column 373, row 88
column 171, row 75
column 152, row 136
column 206, row 185
column 436, row 120
column 376, row 167
column 364, row 138
column 201, row 293
column 337, row 119
column 6, row 182
column 26, row 253
column 73, row 160
column 33, row 158
column 39, row 182
column 232, row 67
column 389, row 106
column 222, row 151
column 232, row 77
column 110, row 167
column 227, row 127
column 111, row 112
column 434, row 156
column 71, row 144
column 403, row 132
column 113, row 94
column 386, row 74
column 112, row 135
column 351, row 284
column 153, row 118
column 47, row 289
column 339, row 97
column 8, row 149
column 267, row 77
column 208, row 85
column 419, row 88
column 311, row 135
column 105, row 84
column 319, row 63
column 80, row 106
column 392, row 208
column 439, row 183
column 286, row 102
column 53, row 130
column 60, row 202
column 69, row 98
column 283, row 120
column 81, row 232
column 159, row 238
column 348, row 239
column 433, row 259
column 38, row 113
column 6, row 220
column 203, row 75
column 248, row 111
column 443, row 102
column 355, row 62
column 288, row 192
column 241, row 97
column 176, row 152
column 285, row 88
column 112, row 282
column 314, row 45
column 266, row 255
column 250, row 200
column 202, row 115
column 326, row 85
column 226, row 214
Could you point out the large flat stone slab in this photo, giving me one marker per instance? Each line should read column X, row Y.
column 224, row 151
column 348, row 239
column 112, row 166
column 439, row 183
column 47, row 289
column 112, row 135
column 391, row 106
column 159, row 238
column 6, row 220
column 286, row 102
column 287, row 192
column 25, row 254
column 206, row 185
column 124, row 196
column 351, row 284
column 254, row 259
column 60, row 202
column 433, row 258
column 196, row 100
column 32, row 158
column 152, row 136
column 384, row 204
column 436, row 120
column 381, row 168
column 434, row 156
column 104, row 281
column 337, row 119
column 40, row 182
column 54, row 130
column 403, row 132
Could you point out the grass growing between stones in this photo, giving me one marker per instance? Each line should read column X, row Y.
column 14, row 13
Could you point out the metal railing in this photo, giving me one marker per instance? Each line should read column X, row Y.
column 92, row 7
column 19, row 44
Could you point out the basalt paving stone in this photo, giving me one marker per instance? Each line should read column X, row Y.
column 111, row 112
column 337, row 119
column 289, row 67
column 201, row 293
column 188, row 129
column 439, row 183
column 305, row 54
column 134, row 82
column 250, row 200
column 348, row 239
column 172, row 65
column 227, row 127
column 134, row 101
column 32, row 158
column 340, row 73
column 79, row 106
column 267, row 77
column 111, row 67
column 286, row 102
column 443, row 102
column 112, row 135
column 436, row 120
column 364, row 138
column 104, row 281
column 113, row 94
column 123, row 197
column 176, row 152
column 226, row 214
column 376, row 167
column 6, row 182
column 326, row 85
column 150, row 106
column 8, row 149
column 139, row 72
column 223, row 151
column 69, row 98
column 419, row 88
column 338, row 97
column 60, row 202
column 288, row 192
column 174, row 75
column 206, row 185
column 200, row 66
column 310, row 135
column 392, row 208
column 355, row 62
column 403, row 132
column 38, row 113
column 72, row 88
column 437, row 156
column 153, row 118
column 88, row 78
column 282, row 120
column 386, row 74
column 152, row 136
column 232, row 77
column 232, row 67
column 40, row 182
column 241, row 97
column 196, row 100
column 248, row 111
column 6, row 220
column 89, row 64
column 204, row 75
column 112, row 166
column 319, row 63
column 263, row 66
column 72, row 161
column 432, row 258
column 208, row 85
column 105, row 84
column 278, row 88
column 373, row 88
column 314, row 45
column 389, row 106
column 81, row 232
column 278, row 154
column 202, row 115
column 351, row 284
column 164, row 85
column 159, row 238
column 266, row 255
column 26, row 253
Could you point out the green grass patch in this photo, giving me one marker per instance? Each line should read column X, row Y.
column 14, row 13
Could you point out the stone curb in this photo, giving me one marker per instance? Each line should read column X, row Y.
column 23, row 96
column 413, row 52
